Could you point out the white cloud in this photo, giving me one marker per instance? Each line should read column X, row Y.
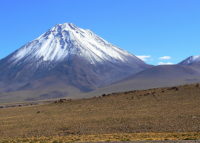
column 165, row 58
column 144, row 58
column 161, row 63
column 151, row 59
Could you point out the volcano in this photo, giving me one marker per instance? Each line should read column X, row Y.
column 67, row 57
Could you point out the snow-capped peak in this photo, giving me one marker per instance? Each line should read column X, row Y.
column 190, row 60
column 65, row 40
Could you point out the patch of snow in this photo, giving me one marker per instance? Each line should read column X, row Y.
column 190, row 60
column 196, row 58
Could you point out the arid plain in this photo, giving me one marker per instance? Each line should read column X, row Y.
column 153, row 114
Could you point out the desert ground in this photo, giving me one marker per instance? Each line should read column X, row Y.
column 171, row 113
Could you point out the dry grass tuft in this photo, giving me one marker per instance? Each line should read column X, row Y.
column 106, row 137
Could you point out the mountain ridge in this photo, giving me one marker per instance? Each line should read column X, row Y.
column 190, row 60
column 154, row 77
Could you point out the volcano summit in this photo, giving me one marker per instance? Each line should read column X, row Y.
column 65, row 56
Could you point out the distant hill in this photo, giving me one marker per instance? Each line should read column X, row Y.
column 158, row 76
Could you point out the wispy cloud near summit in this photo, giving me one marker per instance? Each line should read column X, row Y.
column 143, row 57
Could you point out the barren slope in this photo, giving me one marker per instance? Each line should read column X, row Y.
column 158, row 76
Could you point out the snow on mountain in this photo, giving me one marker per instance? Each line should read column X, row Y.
column 65, row 40
column 69, row 56
column 190, row 60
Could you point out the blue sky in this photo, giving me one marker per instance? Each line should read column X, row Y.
column 163, row 31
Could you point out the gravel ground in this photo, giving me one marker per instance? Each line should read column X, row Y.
column 24, row 104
